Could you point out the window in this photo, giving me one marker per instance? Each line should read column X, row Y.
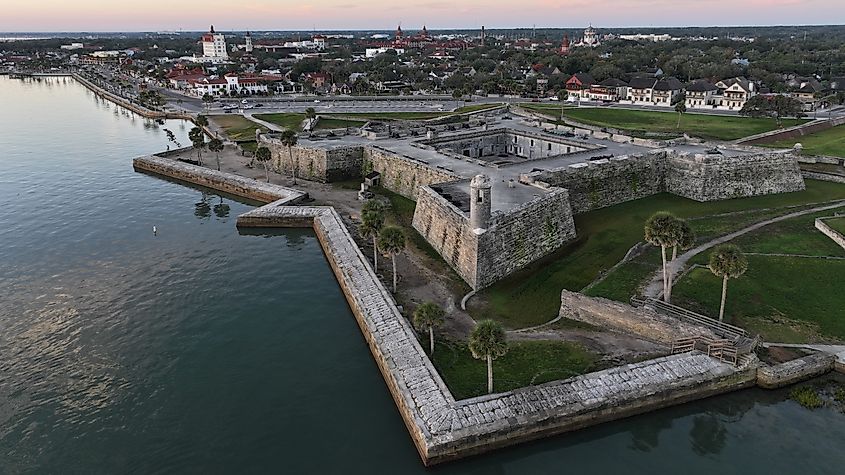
column 532, row 142
column 549, row 147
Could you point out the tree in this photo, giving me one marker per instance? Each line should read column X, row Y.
column 778, row 106
column 372, row 221
column 727, row 261
column 680, row 108
column 289, row 139
column 391, row 241
column 262, row 154
column 310, row 116
column 216, row 145
column 207, row 99
column 428, row 316
column 662, row 229
column 201, row 121
column 197, row 138
column 686, row 238
column 487, row 341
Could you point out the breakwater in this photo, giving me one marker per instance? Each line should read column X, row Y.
column 226, row 182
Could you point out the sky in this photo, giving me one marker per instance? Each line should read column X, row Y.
column 239, row 15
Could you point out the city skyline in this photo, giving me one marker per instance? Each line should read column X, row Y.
column 196, row 15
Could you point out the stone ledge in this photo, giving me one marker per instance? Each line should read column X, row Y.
column 222, row 181
column 784, row 374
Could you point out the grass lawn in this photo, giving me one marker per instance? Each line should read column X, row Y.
column 532, row 296
column 789, row 299
column 237, row 127
column 288, row 120
column 838, row 224
column 526, row 363
column 331, row 123
column 709, row 127
column 827, row 142
column 551, row 109
column 412, row 115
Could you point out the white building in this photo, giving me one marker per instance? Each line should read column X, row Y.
column 248, row 43
column 214, row 47
column 590, row 39
column 373, row 52
column 72, row 46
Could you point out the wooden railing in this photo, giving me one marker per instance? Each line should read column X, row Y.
column 722, row 349
column 740, row 338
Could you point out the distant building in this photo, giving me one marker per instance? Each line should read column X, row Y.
column 248, row 43
column 590, row 39
column 72, row 46
column 214, row 47
column 565, row 46
column 373, row 52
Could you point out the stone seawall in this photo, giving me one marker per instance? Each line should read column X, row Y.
column 828, row 231
column 642, row 322
column 784, row 374
column 404, row 175
column 444, row 429
column 795, row 132
column 123, row 102
column 226, row 182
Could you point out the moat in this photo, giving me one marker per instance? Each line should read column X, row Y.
column 201, row 349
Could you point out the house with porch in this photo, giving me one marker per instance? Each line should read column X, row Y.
column 733, row 93
column 700, row 95
column 578, row 86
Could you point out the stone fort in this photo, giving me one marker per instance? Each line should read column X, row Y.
column 497, row 193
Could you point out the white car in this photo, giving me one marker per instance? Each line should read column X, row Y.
column 316, row 101
column 244, row 101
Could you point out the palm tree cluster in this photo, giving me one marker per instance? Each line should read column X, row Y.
column 289, row 140
column 665, row 230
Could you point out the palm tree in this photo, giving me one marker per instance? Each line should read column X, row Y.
column 662, row 229
column 391, row 241
column 686, row 239
column 487, row 341
column 201, row 121
column 262, row 154
column 310, row 115
column 429, row 315
column 372, row 221
column 288, row 139
column 197, row 137
column 727, row 261
column 216, row 145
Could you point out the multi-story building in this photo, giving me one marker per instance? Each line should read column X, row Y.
column 214, row 47
column 734, row 93
column 700, row 95
column 665, row 90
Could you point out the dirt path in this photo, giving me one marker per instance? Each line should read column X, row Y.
column 654, row 288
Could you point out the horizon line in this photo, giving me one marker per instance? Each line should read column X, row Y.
column 492, row 28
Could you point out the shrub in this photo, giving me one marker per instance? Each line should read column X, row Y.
column 807, row 397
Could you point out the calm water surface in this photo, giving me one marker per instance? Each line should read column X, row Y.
column 202, row 350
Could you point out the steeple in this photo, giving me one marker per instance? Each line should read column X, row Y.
column 212, row 29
